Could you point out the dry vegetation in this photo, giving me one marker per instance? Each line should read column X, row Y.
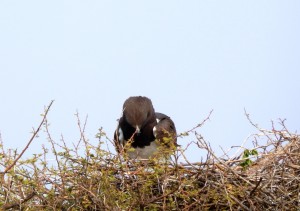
column 266, row 177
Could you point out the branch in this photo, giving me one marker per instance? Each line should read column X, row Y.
column 31, row 139
column 197, row 126
column 18, row 204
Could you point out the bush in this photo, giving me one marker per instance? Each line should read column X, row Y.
column 265, row 177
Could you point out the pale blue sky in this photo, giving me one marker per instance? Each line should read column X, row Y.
column 189, row 57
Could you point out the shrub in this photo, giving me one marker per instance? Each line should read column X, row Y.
column 265, row 177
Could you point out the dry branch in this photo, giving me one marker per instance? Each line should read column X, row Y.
column 31, row 139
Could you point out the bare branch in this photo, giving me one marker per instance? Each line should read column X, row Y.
column 31, row 139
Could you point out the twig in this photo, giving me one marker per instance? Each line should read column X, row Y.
column 238, row 202
column 18, row 204
column 197, row 126
column 255, row 187
column 31, row 139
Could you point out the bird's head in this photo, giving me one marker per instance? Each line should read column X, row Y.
column 138, row 111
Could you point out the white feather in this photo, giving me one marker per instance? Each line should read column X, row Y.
column 120, row 136
column 155, row 131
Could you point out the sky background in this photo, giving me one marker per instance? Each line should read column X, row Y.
column 189, row 57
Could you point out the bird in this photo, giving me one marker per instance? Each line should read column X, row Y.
column 141, row 131
column 165, row 130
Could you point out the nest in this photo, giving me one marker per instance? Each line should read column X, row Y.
column 265, row 177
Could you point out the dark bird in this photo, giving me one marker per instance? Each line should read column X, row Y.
column 165, row 131
column 141, row 131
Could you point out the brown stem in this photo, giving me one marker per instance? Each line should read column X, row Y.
column 29, row 142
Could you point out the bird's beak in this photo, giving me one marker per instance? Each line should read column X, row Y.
column 137, row 129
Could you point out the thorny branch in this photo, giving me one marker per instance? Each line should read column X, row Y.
column 31, row 139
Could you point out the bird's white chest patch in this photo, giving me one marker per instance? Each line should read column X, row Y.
column 143, row 153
